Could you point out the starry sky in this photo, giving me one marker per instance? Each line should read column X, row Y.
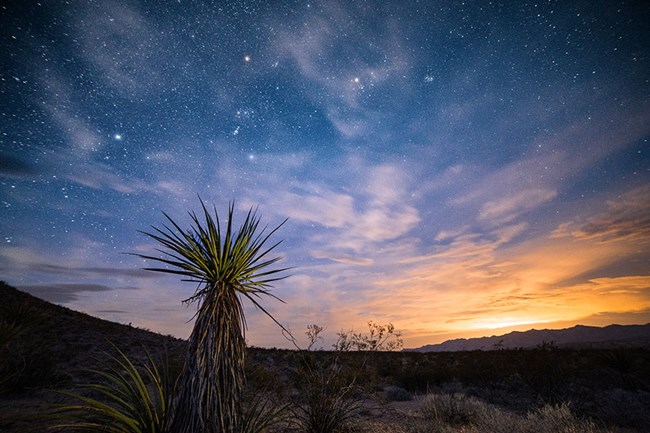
column 457, row 168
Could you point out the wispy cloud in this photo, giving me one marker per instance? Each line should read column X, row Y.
column 123, row 47
column 25, row 261
column 376, row 212
column 63, row 293
column 13, row 166
column 627, row 218
column 371, row 60
column 506, row 209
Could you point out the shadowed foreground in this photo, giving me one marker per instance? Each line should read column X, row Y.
column 546, row 389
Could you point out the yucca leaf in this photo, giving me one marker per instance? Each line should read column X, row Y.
column 124, row 404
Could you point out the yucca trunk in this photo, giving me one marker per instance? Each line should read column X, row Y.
column 211, row 384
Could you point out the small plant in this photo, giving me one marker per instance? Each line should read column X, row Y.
column 379, row 338
column 458, row 412
column 131, row 402
column 23, row 365
column 313, row 335
column 454, row 409
column 260, row 413
column 558, row 419
column 327, row 398
column 12, row 365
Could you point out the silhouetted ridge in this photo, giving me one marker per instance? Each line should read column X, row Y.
column 579, row 336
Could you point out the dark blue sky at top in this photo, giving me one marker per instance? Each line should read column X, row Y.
column 386, row 131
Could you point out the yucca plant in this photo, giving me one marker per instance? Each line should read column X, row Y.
column 127, row 400
column 227, row 266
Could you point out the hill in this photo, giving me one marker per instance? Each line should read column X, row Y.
column 576, row 337
column 45, row 346
column 52, row 341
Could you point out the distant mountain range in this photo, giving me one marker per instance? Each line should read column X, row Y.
column 579, row 337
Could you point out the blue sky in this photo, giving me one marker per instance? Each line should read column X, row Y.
column 455, row 168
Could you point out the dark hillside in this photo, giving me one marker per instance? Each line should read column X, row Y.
column 61, row 340
column 45, row 346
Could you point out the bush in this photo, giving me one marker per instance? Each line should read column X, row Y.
column 454, row 409
column 327, row 401
column 558, row 419
column 449, row 412
column 23, row 365
column 395, row 393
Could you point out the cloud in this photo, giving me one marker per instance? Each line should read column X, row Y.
column 498, row 185
column 13, row 166
column 623, row 285
column 506, row 209
column 112, row 312
column 123, row 46
column 342, row 259
column 324, row 207
column 24, row 262
column 103, row 177
column 373, row 58
column 62, row 293
column 349, row 210
column 627, row 218
column 500, row 195
column 81, row 134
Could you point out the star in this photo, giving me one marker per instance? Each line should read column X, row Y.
column 247, row 58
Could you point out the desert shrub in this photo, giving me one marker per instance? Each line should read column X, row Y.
column 21, row 313
column 23, row 364
column 375, row 426
column 419, row 378
column 11, row 365
column 327, row 397
column 451, row 412
column 259, row 378
column 260, row 412
column 378, row 338
column 558, row 418
column 454, row 409
column 622, row 407
column 9, row 331
column 395, row 393
column 23, row 371
column 547, row 370
column 619, row 359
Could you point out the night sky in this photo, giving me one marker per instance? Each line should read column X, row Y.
column 455, row 168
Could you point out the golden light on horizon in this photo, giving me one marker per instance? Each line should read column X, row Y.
column 508, row 322
column 472, row 287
